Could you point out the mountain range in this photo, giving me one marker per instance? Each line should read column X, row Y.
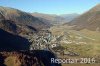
column 56, row 19
column 89, row 20
column 19, row 31
column 16, row 21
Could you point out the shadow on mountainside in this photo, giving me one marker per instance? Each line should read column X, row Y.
column 12, row 42
column 14, row 45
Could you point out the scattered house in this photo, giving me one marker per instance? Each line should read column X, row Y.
column 70, row 53
column 53, row 45
column 77, row 37
column 67, row 41
column 81, row 43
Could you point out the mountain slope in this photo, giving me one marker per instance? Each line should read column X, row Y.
column 89, row 20
column 21, row 18
column 55, row 19
column 52, row 19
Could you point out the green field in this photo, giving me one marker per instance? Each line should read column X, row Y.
column 91, row 48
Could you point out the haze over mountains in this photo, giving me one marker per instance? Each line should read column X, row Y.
column 69, row 17
column 56, row 19
column 19, row 22
column 89, row 20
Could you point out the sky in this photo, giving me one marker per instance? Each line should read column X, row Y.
column 51, row 6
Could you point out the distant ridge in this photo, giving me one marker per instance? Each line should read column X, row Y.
column 89, row 20
column 55, row 19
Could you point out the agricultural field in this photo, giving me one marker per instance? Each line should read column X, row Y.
column 78, row 44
